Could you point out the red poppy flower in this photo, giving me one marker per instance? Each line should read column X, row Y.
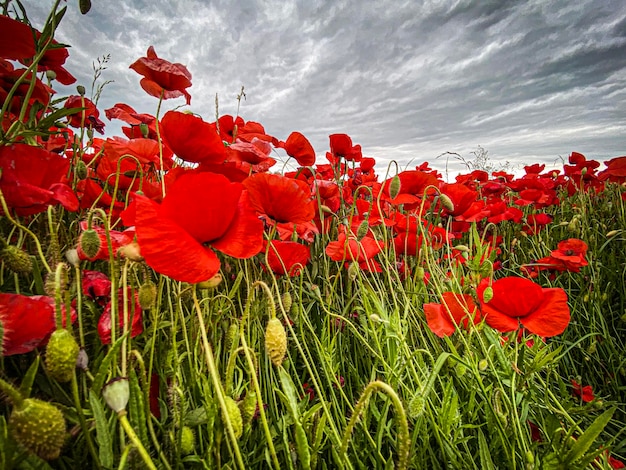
column 250, row 157
column 96, row 285
column 358, row 251
column 26, row 322
column 134, row 316
column 33, row 179
column 571, row 253
column 16, row 39
column 53, row 60
column 9, row 77
column 584, row 393
column 162, row 78
column 341, row 147
column 145, row 150
column 280, row 200
column 87, row 117
column 542, row 311
column 615, row 170
column 286, row 257
column 454, row 310
column 127, row 114
column 191, row 138
column 200, row 211
column 298, row 147
column 461, row 196
column 413, row 185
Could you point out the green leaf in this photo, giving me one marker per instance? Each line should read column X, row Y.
column 584, row 442
column 103, row 436
column 103, row 370
column 29, row 378
column 484, row 452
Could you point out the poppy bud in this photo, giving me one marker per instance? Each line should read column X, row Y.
column 417, row 406
column 147, row 295
column 234, row 415
column 82, row 361
column 144, row 129
column 247, row 406
column 187, row 440
column 39, row 426
column 353, row 271
column 286, row 300
column 211, row 283
column 446, row 202
column 231, row 335
column 275, row 341
column 81, row 90
column 116, row 394
column 463, row 248
column 362, row 230
column 72, row 256
column 90, row 243
column 61, row 355
column 16, row 260
column 488, row 294
column 483, row 364
column 51, row 75
column 394, row 187
column 131, row 251
column 81, row 170
column 84, row 6
column 612, row 233
column 420, row 273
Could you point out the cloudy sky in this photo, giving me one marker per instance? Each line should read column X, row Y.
column 529, row 81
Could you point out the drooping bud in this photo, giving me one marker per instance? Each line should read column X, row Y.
column 394, row 187
column 231, row 336
column 39, row 426
column 247, row 406
column 116, row 394
column 353, row 271
column 147, row 295
column 81, row 170
column 446, row 202
column 61, row 355
column 81, row 90
column 187, row 440
column 286, row 300
column 85, row 6
column 417, row 405
column 144, row 129
column 234, row 415
column 90, row 243
column 488, row 294
column 275, row 341
column 16, row 260
column 51, row 75
column 361, row 232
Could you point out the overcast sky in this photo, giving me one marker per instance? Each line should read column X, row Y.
column 529, row 81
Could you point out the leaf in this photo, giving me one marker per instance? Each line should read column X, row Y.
column 29, row 378
column 484, row 452
column 103, row 370
column 584, row 442
column 103, row 436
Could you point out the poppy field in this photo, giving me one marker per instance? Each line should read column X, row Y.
column 200, row 293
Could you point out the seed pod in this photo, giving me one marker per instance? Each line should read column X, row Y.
column 145, row 130
column 234, row 416
column 147, row 295
column 16, row 260
column 187, row 440
column 61, row 355
column 89, row 241
column 39, row 426
column 275, row 341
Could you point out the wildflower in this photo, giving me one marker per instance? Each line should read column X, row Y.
column 17, row 40
column 584, row 393
column 200, row 211
column 161, row 77
column 348, row 248
column 287, row 257
column 516, row 300
column 454, row 310
column 134, row 313
column 298, row 147
column 26, row 322
column 33, row 179
column 341, row 147
column 191, row 138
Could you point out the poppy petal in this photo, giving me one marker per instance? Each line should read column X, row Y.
column 169, row 249
column 552, row 317
column 437, row 321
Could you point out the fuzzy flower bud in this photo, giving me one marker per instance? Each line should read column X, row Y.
column 39, row 426
column 61, row 355
column 16, row 260
column 275, row 341
column 90, row 243
column 394, row 187
column 116, row 394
